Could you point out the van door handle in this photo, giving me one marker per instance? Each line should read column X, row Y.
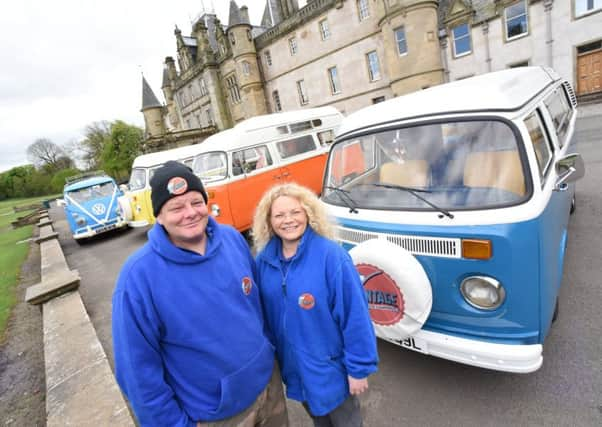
column 285, row 174
column 277, row 176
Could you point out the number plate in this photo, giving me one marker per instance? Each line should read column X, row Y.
column 413, row 343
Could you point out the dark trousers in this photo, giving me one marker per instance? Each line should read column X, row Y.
column 347, row 414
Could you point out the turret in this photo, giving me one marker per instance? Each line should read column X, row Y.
column 169, row 77
column 152, row 111
column 411, row 44
column 244, row 54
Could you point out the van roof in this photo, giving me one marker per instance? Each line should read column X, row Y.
column 89, row 182
column 506, row 90
column 230, row 139
column 160, row 157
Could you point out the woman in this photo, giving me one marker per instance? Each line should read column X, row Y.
column 315, row 306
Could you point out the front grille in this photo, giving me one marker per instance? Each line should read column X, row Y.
column 416, row 245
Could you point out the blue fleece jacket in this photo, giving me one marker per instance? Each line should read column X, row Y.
column 188, row 330
column 318, row 313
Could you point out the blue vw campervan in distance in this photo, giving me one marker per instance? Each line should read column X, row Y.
column 454, row 203
column 91, row 207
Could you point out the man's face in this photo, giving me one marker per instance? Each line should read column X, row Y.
column 185, row 218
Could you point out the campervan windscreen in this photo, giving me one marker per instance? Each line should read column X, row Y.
column 137, row 179
column 455, row 165
column 93, row 192
column 211, row 166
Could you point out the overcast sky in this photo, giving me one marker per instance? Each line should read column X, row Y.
column 69, row 63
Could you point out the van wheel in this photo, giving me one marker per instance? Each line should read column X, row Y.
column 555, row 315
column 573, row 206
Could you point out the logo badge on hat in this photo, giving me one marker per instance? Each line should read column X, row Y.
column 177, row 185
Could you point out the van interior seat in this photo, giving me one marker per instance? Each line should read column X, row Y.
column 410, row 173
column 495, row 169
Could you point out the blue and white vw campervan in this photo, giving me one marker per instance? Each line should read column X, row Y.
column 91, row 205
column 454, row 203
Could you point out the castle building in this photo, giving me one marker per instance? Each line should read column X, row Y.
column 352, row 53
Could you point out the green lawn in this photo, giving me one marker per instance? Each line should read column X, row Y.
column 12, row 254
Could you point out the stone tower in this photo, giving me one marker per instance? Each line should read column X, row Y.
column 152, row 111
column 169, row 75
column 244, row 55
column 417, row 21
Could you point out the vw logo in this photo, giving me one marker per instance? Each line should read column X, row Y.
column 98, row 209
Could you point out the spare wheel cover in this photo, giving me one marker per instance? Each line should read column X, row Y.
column 126, row 209
column 398, row 290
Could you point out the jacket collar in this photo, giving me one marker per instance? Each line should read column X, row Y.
column 160, row 243
column 272, row 253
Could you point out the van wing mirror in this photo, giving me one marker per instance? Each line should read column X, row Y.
column 570, row 168
column 124, row 188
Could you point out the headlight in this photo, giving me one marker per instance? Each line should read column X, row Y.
column 80, row 221
column 215, row 210
column 483, row 292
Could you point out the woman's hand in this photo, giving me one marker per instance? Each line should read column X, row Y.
column 357, row 386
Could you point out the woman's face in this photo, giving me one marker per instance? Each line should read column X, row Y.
column 288, row 219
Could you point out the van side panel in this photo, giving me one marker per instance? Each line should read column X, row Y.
column 219, row 195
column 244, row 195
column 553, row 231
column 308, row 172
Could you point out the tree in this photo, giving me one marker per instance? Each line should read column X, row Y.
column 122, row 148
column 97, row 135
column 47, row 155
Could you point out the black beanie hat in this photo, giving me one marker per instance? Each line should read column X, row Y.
column 171, row 180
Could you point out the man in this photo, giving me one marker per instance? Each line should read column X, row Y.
column 188, row 330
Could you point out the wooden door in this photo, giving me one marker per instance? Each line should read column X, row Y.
column 589, row 69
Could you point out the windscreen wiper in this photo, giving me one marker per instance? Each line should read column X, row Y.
column 347, row 200
column 414, row 192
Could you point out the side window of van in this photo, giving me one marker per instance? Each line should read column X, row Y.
column 250, row 159
column 326, row 137
column 560, row 111
column 295, row 146
column 540, row 142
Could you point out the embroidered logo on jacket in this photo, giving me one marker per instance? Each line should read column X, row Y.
column 307, row 301
column 177, row 185
column 247, row 285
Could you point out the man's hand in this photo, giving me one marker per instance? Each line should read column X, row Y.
column 357, row 386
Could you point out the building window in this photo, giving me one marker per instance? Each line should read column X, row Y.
column 209, row 117
column 324, row 29
column 516, row 20
column 362, row 9
column 292, row 44
column 232, row 86
column 202, row 87
column 249, row 35
column 461, row 35
column 246, row 68
column 232, row 39
column 378, row 99
column 333, row 76
column 276, row 100
column 400, row 39
column 268, row 58
column 303, row 99
column 373, row 67
column 583, row 7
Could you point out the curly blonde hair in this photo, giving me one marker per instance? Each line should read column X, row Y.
column 317, row 217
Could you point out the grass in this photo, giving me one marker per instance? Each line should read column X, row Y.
column 12, row 254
